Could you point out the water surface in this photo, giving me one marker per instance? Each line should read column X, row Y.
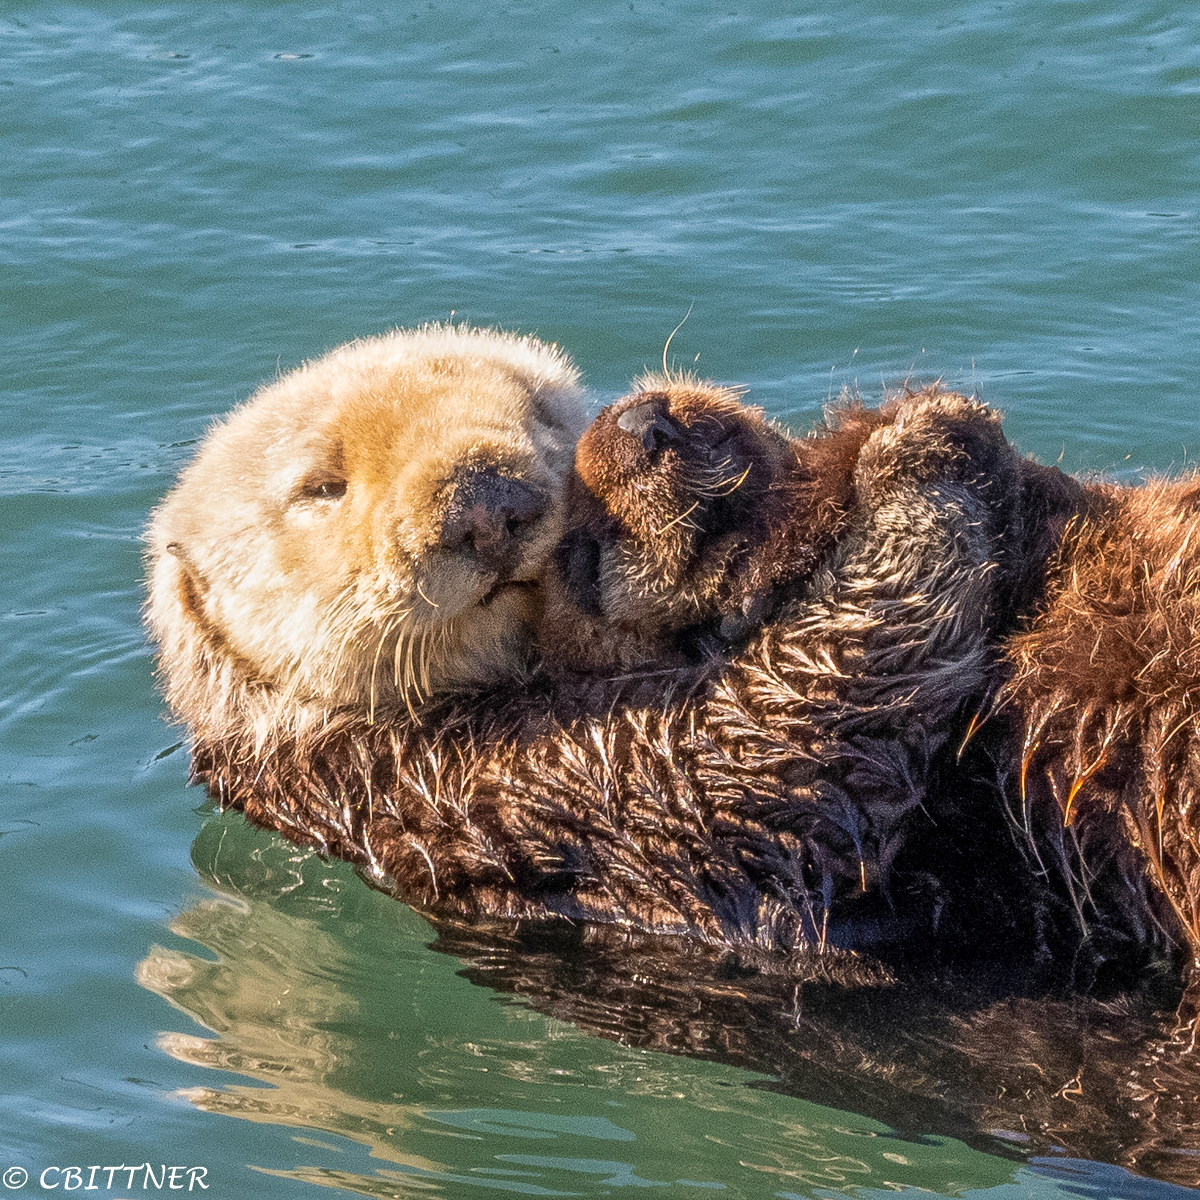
column 1004, row 195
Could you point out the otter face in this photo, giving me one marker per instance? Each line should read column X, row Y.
column 366, row 531
column 674, row 489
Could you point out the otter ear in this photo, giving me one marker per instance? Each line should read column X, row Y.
column 176, row 550
column 193, row 589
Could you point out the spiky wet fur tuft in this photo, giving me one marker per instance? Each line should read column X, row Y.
column 1106, row 685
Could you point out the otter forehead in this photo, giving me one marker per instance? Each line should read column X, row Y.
column 404, row 412
column 400, row 406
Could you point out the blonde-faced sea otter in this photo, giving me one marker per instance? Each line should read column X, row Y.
column 364, row 533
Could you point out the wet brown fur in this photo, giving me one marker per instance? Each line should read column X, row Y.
column 1106, row 685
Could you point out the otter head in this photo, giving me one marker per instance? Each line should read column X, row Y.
column 689, row 515
column 365, row 532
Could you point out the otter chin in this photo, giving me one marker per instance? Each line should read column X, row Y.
column 364, row 533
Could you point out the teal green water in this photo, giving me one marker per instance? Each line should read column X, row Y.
column 1002, row 194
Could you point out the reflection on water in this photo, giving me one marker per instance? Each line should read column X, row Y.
column 1110, row 1081
column 324, row 999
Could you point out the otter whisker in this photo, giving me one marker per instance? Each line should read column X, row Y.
column 357, row 629
column 410, row 689
column 731, row 488
column 423, row 659
column 401, row 659
column 350, row 625
column 711, row 482
column 373, row 691
column 681, row 519
column 667, row 373
column 412, row 685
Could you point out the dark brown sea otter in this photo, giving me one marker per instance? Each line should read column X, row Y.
column 756, row 798
column 690, row 512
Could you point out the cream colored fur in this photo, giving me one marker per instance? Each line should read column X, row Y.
column 296, row 569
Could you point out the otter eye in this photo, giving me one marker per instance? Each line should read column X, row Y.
column 325, row 488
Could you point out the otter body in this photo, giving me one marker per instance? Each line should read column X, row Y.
column 761, row 658
column 743, row 755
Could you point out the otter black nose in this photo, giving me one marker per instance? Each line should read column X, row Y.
column 649, row 423
column 489, row 513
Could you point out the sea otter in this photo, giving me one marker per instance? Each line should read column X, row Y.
column 364, row 532
column 690, row 514
column 1105, row 689
column 898, row 548
column 749, row 787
